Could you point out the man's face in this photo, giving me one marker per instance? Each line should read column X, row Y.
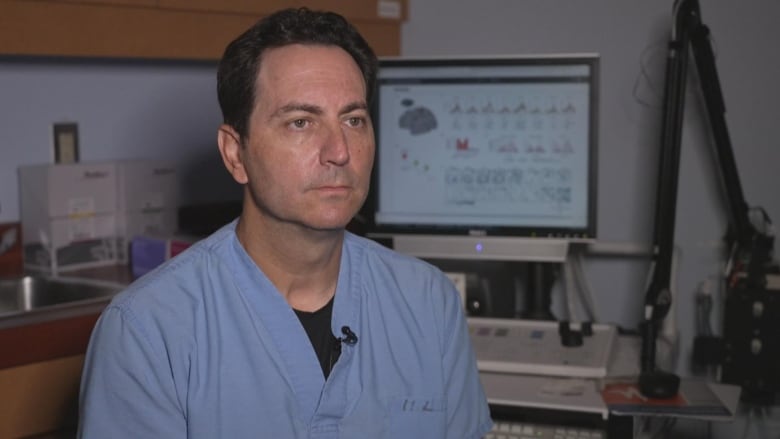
column 310, row 147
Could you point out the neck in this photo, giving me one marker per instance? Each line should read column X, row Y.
column 303, row 264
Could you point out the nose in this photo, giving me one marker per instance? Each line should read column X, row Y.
column 335, row 149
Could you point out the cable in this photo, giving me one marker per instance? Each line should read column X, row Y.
column 667, row 336
column 568, row 289
column 666, row 427
column 761, row 221
column 576, row 286
column 662, row 431
column 643, row 74
column 756, row 418
column 748, row 422
column 704, row 303
column 586, row 292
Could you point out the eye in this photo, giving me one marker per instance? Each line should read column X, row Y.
column 356, row 121
column 299, row 123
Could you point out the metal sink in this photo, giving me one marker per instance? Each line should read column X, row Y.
column 28, row 294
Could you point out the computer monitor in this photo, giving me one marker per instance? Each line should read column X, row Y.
column 485, row 157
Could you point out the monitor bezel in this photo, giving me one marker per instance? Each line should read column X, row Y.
column 573, row 234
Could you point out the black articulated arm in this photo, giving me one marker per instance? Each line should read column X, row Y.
column 751, row 248
column 749, row 245
column 655, row 383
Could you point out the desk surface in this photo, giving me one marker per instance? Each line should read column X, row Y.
column 554, row 393
column 585, row 395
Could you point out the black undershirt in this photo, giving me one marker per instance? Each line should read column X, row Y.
column 325, row 344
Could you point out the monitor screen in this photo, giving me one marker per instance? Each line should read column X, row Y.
column 485, row 157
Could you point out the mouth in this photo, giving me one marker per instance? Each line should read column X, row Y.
column 333, row 189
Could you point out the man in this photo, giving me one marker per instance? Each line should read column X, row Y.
column 281, row 324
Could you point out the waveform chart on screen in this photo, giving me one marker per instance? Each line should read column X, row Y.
column 513, row 113
column 505, row 145
column 547, row 188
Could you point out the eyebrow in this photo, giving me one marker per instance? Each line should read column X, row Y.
column 359, row 105
column 317, row 110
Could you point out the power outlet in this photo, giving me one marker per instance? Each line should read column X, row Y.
column 66, row 142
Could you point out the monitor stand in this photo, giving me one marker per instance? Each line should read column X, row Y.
column 538, row 291
column 497, row 248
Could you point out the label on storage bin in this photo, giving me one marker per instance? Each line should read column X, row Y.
column 81, row 207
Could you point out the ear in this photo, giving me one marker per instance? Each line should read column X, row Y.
column 230, row 149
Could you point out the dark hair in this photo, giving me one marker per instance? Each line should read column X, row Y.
column 239, row 66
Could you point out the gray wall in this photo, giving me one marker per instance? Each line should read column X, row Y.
column 134, row 110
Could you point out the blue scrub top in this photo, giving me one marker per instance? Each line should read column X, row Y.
column 206, row 347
